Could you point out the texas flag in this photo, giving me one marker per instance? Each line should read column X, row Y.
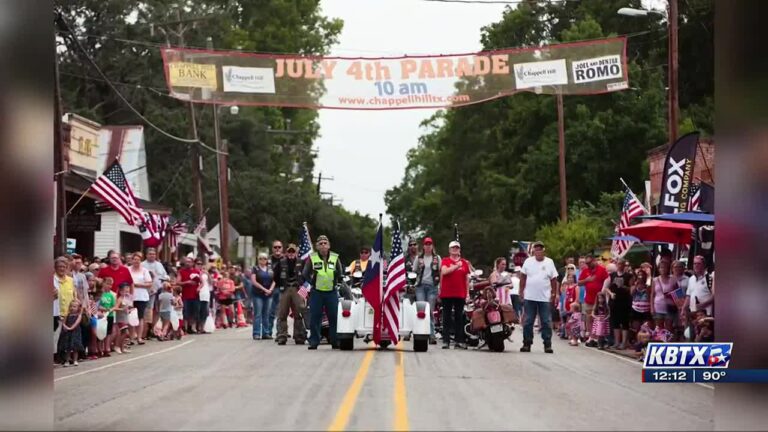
column 371, row 285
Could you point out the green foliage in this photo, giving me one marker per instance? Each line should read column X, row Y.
column 576, row 237
column 263, row 203
column 493, row 167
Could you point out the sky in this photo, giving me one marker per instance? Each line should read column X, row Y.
column 365, row 151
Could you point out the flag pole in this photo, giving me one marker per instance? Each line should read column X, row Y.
column 381, row 273
column 633, row 194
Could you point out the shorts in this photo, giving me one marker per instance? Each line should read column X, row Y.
column 640, row 316
column 588, row 308
column 151, row 302
column 203, row 313
column 165, row 316
column 110, row 324
column 665, row 316
column 619, row 318
column 141, row 307
column 191, row 309
column 226, row 301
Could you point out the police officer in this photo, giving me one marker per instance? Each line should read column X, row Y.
column 322, row 275
column 287, row 277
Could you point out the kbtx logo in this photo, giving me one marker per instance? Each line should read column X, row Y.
column 688, row 355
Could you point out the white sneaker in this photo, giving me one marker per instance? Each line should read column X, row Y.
column 75, row 364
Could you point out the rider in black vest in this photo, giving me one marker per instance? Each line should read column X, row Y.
column 288, row 276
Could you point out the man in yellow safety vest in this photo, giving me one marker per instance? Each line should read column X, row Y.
column 322, row 276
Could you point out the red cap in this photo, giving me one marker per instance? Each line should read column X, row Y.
column 428, row 240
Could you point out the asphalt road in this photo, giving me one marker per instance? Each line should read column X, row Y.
column 226, row 381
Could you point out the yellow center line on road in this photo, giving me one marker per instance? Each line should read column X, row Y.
column 401, row 400
column 350, row 398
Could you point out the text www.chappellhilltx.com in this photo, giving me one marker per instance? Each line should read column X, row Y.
column 391, row 101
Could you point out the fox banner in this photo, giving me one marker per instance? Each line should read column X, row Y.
column 677, row 177
column 384, row 83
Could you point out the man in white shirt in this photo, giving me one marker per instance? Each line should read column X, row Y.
column 159, row 275
column 699, row 295
column 538, row 280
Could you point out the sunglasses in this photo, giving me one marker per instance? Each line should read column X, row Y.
column 413, row 244
column 364, row 253
column 322, row 243
column 277, row 247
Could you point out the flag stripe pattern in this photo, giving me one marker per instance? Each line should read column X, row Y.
column 175, row 231
column 395, row 283
column 114, row 189
column 695, row 202
column 305, row 249
column 631, row 208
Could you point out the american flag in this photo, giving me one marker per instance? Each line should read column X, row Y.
column 678, row 295
column 631, row 208
column 201, row 231
column 395, row 283
column 305, row 249
column 174, row 231
column 114, row 189
column 694, row 203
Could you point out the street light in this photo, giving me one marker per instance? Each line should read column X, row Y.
column 637, row 12
column 673, row 109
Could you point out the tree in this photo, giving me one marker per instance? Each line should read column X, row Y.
column 576, row 237
column 493, row 168
column 124, row 38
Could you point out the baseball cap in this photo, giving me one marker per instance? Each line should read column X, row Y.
column 538, row 244
column 454, row 243
column 322, row 238
column 291, row 247
column 428, row 240
column 365, row 249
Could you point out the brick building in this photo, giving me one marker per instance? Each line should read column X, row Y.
column 703, row 170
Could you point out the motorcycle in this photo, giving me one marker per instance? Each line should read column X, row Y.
column 345, row 293
column 490, row 322
column 355, row 283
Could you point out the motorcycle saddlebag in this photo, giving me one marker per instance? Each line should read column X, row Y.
column 508, row 314
column 478, row 320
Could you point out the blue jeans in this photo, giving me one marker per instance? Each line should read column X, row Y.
column 318, row 300
column 261, row 305
column 517, row 303
column 545, row 316
column 273, row 310
column 428, row 293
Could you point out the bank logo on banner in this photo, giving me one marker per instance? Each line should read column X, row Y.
column 184, row 74
column 248, row 79
column 596, row 69
column 534, row 74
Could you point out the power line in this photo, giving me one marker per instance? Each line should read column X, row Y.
column 63, row 23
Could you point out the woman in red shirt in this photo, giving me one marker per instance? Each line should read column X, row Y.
column 454, row 287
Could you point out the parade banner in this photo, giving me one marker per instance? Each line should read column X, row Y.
column 678, row 174
column 439, row 81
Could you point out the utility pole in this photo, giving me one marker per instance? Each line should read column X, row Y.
column 561, row 145
column 320, row 179
column 674, row 108
column 223, row 174
column 181, row 28
column 59, row 167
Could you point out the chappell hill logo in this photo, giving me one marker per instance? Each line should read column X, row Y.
column 535, row 74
